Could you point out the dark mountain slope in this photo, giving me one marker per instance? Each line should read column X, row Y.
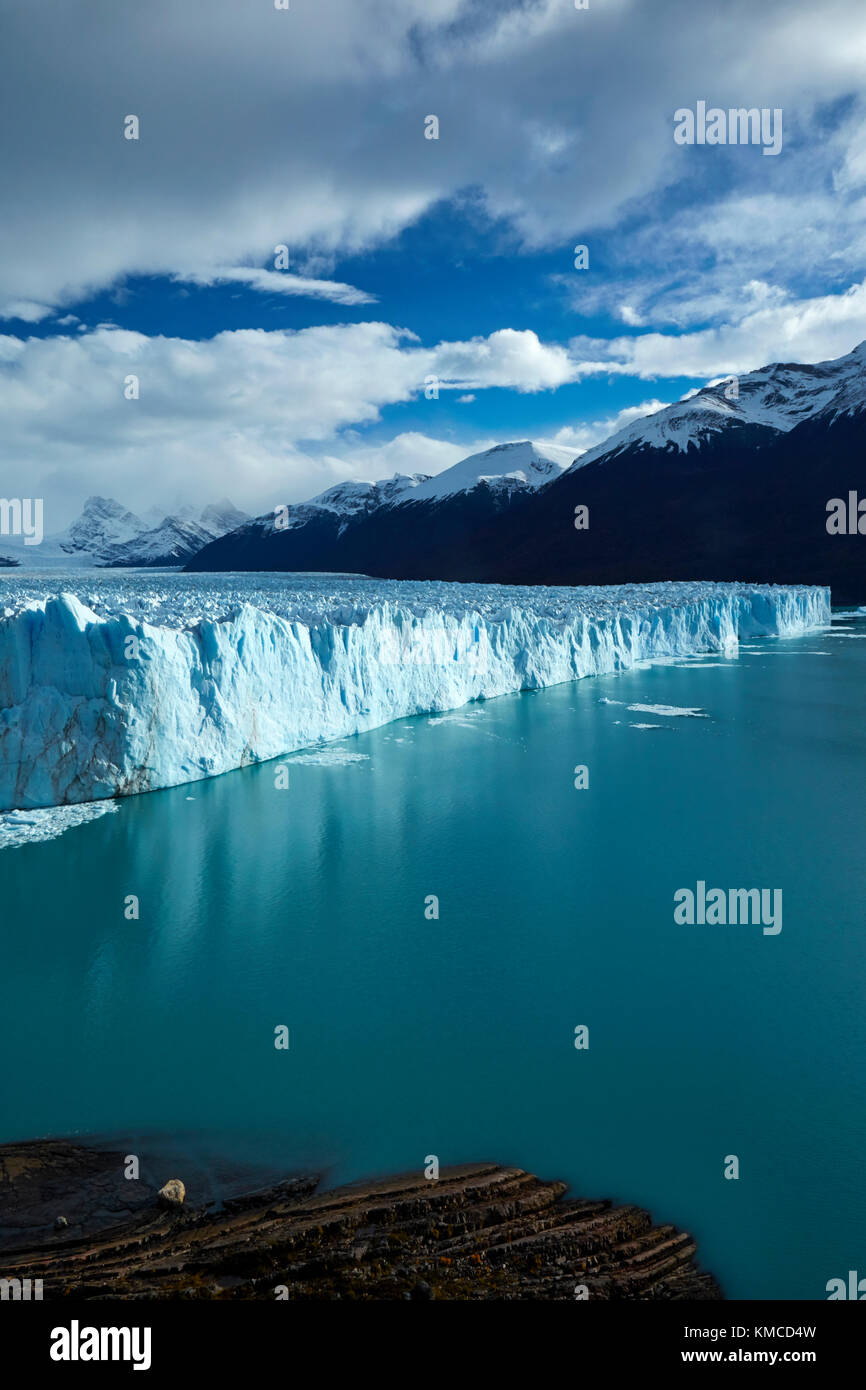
column 750, row 505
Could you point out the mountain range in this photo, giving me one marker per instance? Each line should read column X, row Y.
column 731, row 482
column 106, row 535
column 343, row 528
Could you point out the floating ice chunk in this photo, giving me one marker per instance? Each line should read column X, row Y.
column 19, row 828
column 331, row 757
column 462, row 718
column 670, row 711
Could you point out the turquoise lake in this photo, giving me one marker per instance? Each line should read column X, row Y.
column 305, row 906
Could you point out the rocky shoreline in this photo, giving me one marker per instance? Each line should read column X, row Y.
column 69, row 1217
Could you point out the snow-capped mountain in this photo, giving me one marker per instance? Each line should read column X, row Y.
column 171, row 542
column 341, row 502
column 176, row 538
column 102, row 525
column 337, row 529
column 218, row 518
column 518, row 465
column 725, row 483
column 732, row 482
column 777, row 398
column 108, row 534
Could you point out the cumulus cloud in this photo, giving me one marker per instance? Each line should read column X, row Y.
column 409, row 452
column 780, row 328
column 269, row 411
column 25, row 310
column 579, row 438
column 508, row 357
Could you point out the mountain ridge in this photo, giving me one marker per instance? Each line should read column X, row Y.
column 107, row 535
column 731, row 481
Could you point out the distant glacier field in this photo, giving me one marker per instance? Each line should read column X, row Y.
column 113, row 684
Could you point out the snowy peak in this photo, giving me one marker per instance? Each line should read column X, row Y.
column 220, row 517
column 344, row 501
column 107, row 534
column 518, row 465
column 507, row 467
column 778, row 397
column 401, row 486
column 334, row 529
column 103, row 522
column 216, row 518
column 172, row 542
column 351, row 497
column 177, row 536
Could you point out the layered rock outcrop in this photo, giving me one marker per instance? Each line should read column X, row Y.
column 481, row 1231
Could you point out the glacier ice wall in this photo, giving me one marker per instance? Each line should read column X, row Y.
column 106, row 703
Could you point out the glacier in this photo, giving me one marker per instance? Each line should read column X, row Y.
column 130, row 685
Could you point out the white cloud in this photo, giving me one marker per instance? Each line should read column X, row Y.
column 411, row 452
column 25, row 310
column 256, row 414
column 306, row 126
column 780, row 329
column 250, row 413
column 592, row 432
column 277, row 282
column 721, row 247
column 508, row 357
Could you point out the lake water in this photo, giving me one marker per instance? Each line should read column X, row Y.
column 305, row 906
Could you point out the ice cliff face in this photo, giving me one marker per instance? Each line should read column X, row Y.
column 146, row 686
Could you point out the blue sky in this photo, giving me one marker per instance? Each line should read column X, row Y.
column 444, row 278
column 408, row 256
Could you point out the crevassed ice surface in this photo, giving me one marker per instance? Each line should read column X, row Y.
column 124, row 684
